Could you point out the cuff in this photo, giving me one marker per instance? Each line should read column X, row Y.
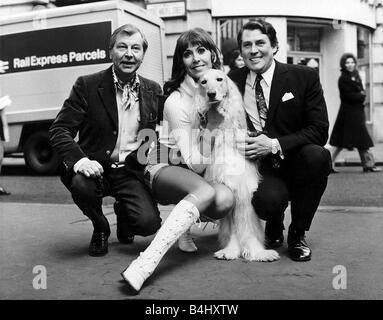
column 280, row 150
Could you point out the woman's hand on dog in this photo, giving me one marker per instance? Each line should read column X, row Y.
column 254, row 147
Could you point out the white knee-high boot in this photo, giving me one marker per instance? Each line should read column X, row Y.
column 180, row 219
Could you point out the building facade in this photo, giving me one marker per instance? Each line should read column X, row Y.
column 311, row 32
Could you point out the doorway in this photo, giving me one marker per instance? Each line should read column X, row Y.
column 310, row 59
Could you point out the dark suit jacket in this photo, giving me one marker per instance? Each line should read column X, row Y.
column 91, row 111
column 301, row 120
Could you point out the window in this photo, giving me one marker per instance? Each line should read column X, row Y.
column 301, row 38
column 228, row 31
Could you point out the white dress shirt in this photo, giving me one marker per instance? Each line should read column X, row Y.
column 251, row 102
column 249, row 96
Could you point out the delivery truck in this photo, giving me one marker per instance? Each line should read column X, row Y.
column 42, row 53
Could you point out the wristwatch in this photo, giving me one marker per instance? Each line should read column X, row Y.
column 274, row 146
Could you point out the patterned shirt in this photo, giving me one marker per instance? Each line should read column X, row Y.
column 127, row 97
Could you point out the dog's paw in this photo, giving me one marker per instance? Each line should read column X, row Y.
column 260, row 255
column 227, row 254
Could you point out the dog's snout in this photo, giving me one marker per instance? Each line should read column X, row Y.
column 211, row 94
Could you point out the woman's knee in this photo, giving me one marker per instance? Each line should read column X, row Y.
column 224, row 202
column 203, row 196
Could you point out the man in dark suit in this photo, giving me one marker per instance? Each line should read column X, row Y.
column 107, row 110
column 288, row 127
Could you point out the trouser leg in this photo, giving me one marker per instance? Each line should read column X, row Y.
column 1, row 153
column 136, row 210
column 307, row 171
column 334, row 155
column 87, row 193
column 366, row 158
column 271, row 199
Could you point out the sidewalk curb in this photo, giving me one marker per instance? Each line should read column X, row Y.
column 353, row 163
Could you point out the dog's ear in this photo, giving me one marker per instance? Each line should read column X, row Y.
column 199, row 103
column 234, row 105
column 233, row 90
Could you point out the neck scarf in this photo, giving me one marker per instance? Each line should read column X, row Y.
column 129, row 90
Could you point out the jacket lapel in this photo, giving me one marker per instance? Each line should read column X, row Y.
column 276, row 91
column 146, row 101
column 107, row 93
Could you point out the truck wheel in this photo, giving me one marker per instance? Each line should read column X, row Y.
column 39, row 155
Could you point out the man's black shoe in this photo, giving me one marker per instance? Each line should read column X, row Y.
column 124, row 239
column 274, row 234
column 4, row 192
column 122, row 236
column 371, row 169
column 98, row 244
column 273, row 242
column 297, row 246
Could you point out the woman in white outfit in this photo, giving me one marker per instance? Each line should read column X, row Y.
column 182, row 183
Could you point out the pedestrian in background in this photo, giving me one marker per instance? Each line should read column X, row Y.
column 236, row 60
column 4, row 102
column 350, row 129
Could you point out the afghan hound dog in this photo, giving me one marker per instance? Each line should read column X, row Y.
column 241, row 233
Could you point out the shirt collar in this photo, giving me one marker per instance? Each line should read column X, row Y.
column 134, row 84
column 267, row 75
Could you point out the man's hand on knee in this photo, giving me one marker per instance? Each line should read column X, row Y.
column 90, row 169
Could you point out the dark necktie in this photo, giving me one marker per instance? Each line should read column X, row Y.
column 261, row 102
column 262, row 111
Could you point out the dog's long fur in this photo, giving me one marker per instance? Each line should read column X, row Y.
column 241, row 232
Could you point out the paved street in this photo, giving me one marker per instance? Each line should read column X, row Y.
column 41, row 227
column 56, row 237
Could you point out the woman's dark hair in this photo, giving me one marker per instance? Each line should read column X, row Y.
column 233, row 56
column 196, row 36
column 342, row 64
column 263, row 26
column 343, row 59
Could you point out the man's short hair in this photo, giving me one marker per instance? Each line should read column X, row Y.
column 129, row 29
column 263, row 26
